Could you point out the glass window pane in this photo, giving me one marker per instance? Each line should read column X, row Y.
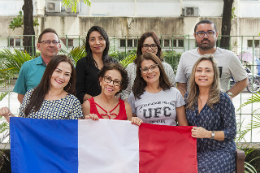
column 122, row 42
column 135, row 42
column 249, row 43
column 129, row 43
column 180, row 43
column 70, row 42
column 174, row 43
column 166, row 43
column 256, row 43
column 11, row 42
column 17, row 42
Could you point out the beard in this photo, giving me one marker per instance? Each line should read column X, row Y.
column 206, row 46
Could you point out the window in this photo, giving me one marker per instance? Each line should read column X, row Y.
column 166, row 43
column 135, row 42
column 14, row 42
column 180, row 43
column 122, row 42
column 174, row 43
column 129, row 43
column 70, row 41
column 250, row 43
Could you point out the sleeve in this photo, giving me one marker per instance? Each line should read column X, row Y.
column 26, row 100
column 80, row 80
column 180, row 75
column 130, row 73
column 76, row 112
column 20, row 84
column 228, row 117
column 179, row 98
column 169, row 72
column 131, row 101
column 236, row 69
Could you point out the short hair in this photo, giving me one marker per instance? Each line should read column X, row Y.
column 140, row 83
column 115, row 66
column 88, row 49
column 43, row 88
column 207, row 21
column 46, row 31
column 193, row 90
column 155, row 39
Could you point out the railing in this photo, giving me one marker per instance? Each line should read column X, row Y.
column 120, row 46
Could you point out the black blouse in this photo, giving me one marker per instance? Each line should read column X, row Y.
column 87, row 81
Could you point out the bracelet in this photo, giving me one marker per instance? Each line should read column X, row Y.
column 212, row 135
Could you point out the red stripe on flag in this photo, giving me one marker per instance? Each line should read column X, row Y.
column 167, row 149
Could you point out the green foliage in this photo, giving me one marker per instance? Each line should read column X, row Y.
column 129, row 59
column 18, row 22
column 12, row 62
column 233, row 13
column 121, row 55
column 172, row 58
column 254, row 124
column 73, row 4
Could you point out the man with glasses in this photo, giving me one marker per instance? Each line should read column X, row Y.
column 205, row 33
column 31, row 71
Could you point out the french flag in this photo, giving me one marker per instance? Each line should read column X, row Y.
column 103, row 146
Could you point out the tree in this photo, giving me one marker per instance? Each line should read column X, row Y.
column 226, row 23
column 28, row 41
column 73, row 4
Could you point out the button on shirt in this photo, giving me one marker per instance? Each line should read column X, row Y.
column 30, row 75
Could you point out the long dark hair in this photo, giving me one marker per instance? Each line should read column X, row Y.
column 105, row 56
column 140, row 84
column 43, row 88
column 155, row 39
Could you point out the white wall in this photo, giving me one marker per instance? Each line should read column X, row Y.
column 249, row 8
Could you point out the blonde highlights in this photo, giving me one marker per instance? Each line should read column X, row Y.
column 193, row 91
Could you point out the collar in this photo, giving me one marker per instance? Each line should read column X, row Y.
column 39, row 61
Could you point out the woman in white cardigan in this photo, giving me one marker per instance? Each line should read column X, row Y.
column 148, row 42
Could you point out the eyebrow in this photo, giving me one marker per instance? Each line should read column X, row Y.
column 61, row 70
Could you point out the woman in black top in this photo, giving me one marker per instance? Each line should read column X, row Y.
column 87, row 68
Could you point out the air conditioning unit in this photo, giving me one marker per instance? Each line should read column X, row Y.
column 53, row 6
column 68, row 10
column 191, row 11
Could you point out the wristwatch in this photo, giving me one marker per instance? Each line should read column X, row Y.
column 212, row 135
column 230, row 94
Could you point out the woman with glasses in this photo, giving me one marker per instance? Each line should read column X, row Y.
column 87, row 68
column 153, row 99
column 148, row 42
column 213, row 114
column 54, row 97
column 112, row 79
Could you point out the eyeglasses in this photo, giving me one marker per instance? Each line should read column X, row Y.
column 146, row 69
column 202, row 33
column 108, row 79
column 49, row 42
column 152, row 46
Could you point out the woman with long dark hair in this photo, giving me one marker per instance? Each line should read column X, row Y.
column 97, row 47
column 54, row 97
column 154, row 99
column 213, row 114
column 148, row 42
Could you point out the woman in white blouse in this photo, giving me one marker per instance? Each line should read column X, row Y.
column 148, row 42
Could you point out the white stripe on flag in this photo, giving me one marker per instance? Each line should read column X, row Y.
column 108, row 147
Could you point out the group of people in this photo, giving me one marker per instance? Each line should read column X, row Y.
column 49, row 87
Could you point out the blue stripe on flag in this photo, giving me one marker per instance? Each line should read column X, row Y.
column 43, row 146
